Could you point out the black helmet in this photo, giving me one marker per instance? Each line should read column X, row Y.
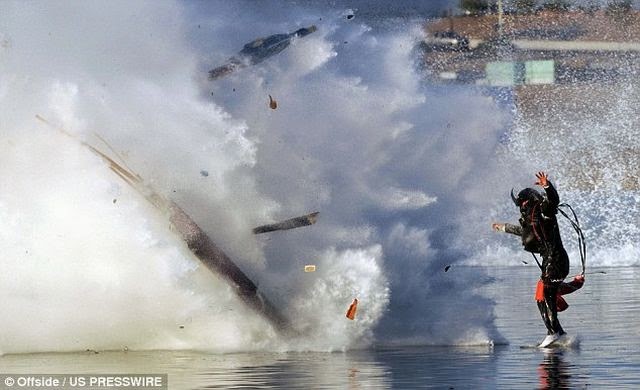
column 528, row 194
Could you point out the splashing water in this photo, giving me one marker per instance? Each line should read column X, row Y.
column 400, row 173
column 585, row 135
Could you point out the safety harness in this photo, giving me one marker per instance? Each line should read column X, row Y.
column 575, row 224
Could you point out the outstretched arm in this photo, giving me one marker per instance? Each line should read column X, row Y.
column 507, row 228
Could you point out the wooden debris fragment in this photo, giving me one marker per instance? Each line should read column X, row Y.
column 351, row 312
column 292, row 223
column 272, row 103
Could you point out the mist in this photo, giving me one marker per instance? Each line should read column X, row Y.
column 402, row 175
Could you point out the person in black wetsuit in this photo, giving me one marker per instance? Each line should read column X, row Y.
column 540, row 234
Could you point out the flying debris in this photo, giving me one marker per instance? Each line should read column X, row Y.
column 259, row 50
column 204, row 173
column 310, row 268
column 292, row 223
column 196, row 239
column 272, row 103
column 447, row 268
column 351, row 312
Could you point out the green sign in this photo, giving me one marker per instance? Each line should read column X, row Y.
column 539, row 72
column 500, row 74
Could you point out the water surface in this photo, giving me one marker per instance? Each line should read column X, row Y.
column 604, row 315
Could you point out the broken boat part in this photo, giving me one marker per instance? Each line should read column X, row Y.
column 305, row 220
column 196, row 239
column 259, row 50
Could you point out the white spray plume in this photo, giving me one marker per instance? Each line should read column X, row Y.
column 390, row 165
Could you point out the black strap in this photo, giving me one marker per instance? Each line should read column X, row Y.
column 536, row 259
column 575, row 223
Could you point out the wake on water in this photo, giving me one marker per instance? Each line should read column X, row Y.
column 396, row 169
column 566, row 342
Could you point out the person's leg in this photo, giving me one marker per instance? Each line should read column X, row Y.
column 542, row 307
column 550, row 303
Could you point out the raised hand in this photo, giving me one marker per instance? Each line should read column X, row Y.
column 543, row 179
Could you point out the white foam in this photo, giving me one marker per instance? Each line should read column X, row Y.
column 355, row 136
